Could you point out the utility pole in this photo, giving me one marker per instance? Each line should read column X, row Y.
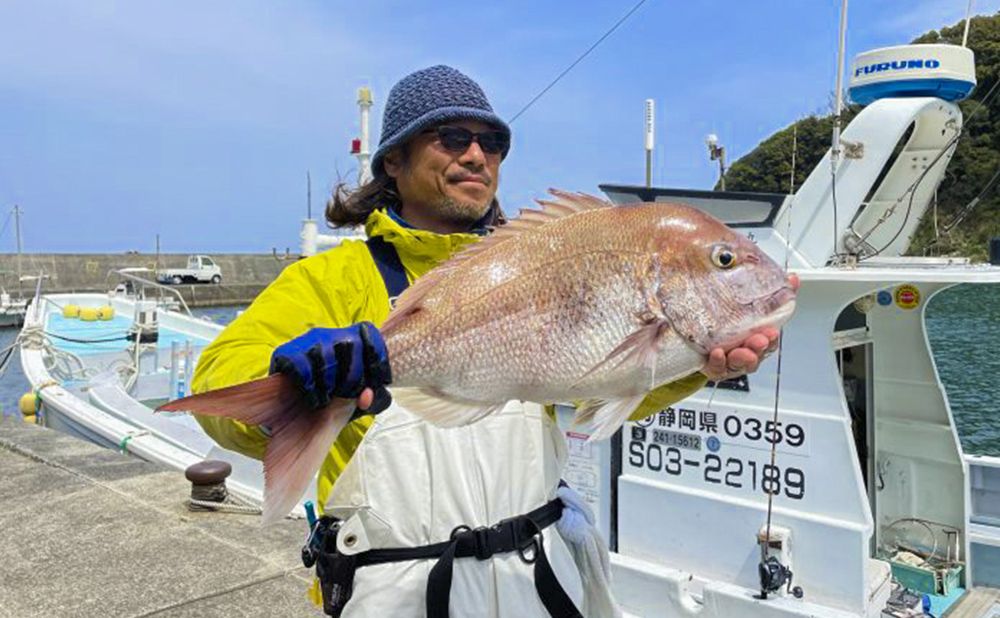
column 649, row 142
column 717, row 152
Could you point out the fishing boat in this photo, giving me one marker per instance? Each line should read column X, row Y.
column 99, row 364
column 12, row 308
column 831, row 482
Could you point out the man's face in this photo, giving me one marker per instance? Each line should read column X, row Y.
column 454, row 188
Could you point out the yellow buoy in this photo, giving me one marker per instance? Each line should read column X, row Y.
column 106, row 312
column 88, row 314
column 28, row 404
column 71, row 311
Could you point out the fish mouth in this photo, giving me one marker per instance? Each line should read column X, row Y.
column 775, row 303
column 775, row 309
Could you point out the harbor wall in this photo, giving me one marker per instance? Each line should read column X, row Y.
column 244, row 275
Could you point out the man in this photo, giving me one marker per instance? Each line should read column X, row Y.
column 409, row 484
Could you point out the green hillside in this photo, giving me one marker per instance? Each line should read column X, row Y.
column 976, row 160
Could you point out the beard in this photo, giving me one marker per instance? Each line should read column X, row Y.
column 461, row 213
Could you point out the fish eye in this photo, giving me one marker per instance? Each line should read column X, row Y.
column 723, row 257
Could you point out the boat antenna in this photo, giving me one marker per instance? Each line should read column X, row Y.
column 791, row 175
column 968, row 17
column 837, row 111
column 577, row 61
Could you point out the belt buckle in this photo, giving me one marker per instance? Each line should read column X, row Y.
column 481, row 537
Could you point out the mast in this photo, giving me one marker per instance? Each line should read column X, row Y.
column 838, row 109
column 17, row 235
column 839, row 93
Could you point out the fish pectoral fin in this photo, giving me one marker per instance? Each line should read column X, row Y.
column 640, row 348
column 441, row 409
column 606, row 416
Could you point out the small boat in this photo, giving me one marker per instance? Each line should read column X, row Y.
column 101, row 363
column 12, row 309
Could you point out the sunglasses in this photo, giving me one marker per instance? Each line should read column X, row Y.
column 458, row 139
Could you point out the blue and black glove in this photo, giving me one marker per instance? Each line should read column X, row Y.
column 337, row 362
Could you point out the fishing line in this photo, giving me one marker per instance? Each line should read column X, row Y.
column 777, row 385
column 577, row 61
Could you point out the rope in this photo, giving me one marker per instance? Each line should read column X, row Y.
column 73, row 340
column 223, row 507
column 216, row 497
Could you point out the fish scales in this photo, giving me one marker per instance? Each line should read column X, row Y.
column 531, row 315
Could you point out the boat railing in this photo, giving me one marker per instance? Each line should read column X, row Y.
column 130, row 275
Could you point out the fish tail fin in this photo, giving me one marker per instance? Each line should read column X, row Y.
column 300, row 436
column 259, row 402
column 295, row 452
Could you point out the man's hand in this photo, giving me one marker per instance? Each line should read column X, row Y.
column 349, row 363
column 744, row 359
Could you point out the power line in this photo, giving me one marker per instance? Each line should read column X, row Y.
column 577, row 61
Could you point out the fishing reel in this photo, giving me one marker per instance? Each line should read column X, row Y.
column 774, row 576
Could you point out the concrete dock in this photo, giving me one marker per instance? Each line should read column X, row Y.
column 85, row 531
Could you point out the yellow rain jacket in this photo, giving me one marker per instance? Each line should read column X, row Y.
column 334, row 289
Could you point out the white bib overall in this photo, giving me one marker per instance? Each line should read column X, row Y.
column 411, row 483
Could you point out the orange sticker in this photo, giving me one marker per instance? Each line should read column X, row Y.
column 907, row 296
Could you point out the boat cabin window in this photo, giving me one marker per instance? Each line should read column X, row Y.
column 852, row 317
column 734, row 208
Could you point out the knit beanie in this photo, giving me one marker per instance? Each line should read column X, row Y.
column 427, row 98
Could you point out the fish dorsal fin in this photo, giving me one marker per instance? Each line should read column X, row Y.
column 563, row 205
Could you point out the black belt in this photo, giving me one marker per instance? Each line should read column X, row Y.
column 522, row 534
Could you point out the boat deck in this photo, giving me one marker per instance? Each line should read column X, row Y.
column 978, row 603
column 91, row 532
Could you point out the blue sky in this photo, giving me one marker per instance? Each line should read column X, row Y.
column 198, row 120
